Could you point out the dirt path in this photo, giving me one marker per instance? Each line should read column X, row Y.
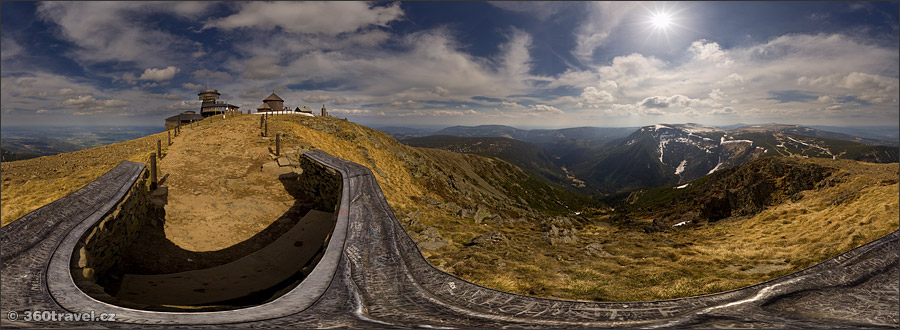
column 223, row 185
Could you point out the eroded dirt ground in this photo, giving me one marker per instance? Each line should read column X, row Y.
column 225, row 196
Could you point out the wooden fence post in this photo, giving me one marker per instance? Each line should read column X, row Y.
column 159, row 148
column 153, row 171
column 266, row 131
column 169, row 137
column 278, row 144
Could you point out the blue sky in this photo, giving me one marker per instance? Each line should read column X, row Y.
column 528, row 64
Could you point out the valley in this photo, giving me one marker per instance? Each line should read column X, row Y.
column 499, row 224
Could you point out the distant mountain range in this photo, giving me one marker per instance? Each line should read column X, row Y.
column 609, row 160
column 525, row 155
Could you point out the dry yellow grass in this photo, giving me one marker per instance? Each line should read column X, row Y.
column 640, row 266
column 699, row 260
column 32, row 183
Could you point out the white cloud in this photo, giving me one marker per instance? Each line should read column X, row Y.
column 710, row 51
column 159, row 74
column 511, row 105
column 70, row 91
column 542, row 10
column 726, row 111
column 351, row 111
column 11, row 48
column 407, row 104
column 602, row 18
column 594, row 97
column 541, row 108
column 192, row 86
column 118, row 31
column 329, row 18
column 88, row 105
column 732, row 80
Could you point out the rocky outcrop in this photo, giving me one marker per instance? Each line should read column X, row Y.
column 560, row 230
column 748, row 189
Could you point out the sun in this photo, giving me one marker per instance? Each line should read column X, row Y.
column 661, row 20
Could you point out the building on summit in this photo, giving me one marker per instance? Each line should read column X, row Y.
column 303, row 109
column 182, row 119
column 271, row 103
column 211, row 107
column 324, row 112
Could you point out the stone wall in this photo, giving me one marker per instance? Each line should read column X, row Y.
column 104, row 244
column 322, row 183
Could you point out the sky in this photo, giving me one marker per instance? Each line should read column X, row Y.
column 523, row 64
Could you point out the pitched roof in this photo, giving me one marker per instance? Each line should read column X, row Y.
column 272, row 97
column 264, row 106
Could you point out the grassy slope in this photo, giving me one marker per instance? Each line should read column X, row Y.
column 635, row 266
column 31, row 183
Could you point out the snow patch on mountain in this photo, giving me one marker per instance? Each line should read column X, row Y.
column 680, row 167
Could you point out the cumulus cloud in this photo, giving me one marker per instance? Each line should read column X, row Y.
column 309, row 17
column 657, row 102
column 594, row 97
column 88, row 105
column 709, row 51
column 542, row 108
column 159, row 74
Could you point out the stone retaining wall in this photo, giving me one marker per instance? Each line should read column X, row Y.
column 102, row 247
column 320, row 182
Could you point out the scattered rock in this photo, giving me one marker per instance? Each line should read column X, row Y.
column 489, row 238
column 430, row 239
column 556, row 235
column 482, row 213
column 595, row 250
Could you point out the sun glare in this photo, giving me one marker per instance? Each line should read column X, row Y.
column 661, row 20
